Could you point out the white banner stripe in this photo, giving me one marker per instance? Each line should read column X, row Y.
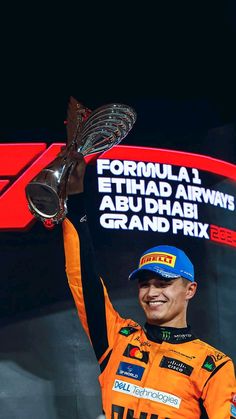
column 146, row 393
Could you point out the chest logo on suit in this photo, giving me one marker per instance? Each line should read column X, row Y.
column 135, row 352
column 176, row 365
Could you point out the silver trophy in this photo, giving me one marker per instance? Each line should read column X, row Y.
column 88, row 132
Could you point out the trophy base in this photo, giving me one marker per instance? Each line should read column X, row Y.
column 43, row 200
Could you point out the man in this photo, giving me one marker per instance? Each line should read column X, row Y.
column 160, row 370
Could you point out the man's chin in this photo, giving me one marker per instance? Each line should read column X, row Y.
column 157, row 315
column 156, row 320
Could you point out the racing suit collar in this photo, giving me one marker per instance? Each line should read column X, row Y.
column 168, row 334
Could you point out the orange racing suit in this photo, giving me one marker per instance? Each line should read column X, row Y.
column 147, row 372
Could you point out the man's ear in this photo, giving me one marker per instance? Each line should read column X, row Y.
column 191, row 290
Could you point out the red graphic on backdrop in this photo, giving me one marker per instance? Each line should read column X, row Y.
column 223, row 235
column 19, row 164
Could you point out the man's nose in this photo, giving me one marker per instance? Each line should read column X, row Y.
column 153, row 291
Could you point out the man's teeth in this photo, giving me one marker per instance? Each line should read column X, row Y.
column 156, row 303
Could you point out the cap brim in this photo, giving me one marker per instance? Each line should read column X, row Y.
column 164, row 274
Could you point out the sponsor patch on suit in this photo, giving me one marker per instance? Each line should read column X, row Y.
column 135, row 352
column 176, row 365
column 130, row 370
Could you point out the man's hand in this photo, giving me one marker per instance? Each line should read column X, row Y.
column 76, row 180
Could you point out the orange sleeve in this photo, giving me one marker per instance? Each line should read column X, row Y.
column 97, row 315
column 218, row 390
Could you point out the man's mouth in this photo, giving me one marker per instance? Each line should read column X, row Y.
column 155, row 303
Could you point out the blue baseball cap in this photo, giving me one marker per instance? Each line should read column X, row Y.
column 166, row 261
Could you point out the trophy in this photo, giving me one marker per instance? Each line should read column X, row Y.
column 88, row 132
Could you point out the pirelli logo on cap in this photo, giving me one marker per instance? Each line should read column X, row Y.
column 158, row 257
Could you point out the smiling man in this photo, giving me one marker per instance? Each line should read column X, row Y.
column 164, row 303
column 160, row 370
column 166, row 284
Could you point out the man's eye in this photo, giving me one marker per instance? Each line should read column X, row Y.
column 143, row 285
column 165, row 284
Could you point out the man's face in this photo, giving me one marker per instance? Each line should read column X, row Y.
column 165, row 302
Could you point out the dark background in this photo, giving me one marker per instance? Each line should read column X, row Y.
column 176, row 66
column 178, row 52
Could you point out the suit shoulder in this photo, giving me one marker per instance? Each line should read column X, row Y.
column 210, row 350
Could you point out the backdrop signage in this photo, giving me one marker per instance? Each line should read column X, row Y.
column 139, row 189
